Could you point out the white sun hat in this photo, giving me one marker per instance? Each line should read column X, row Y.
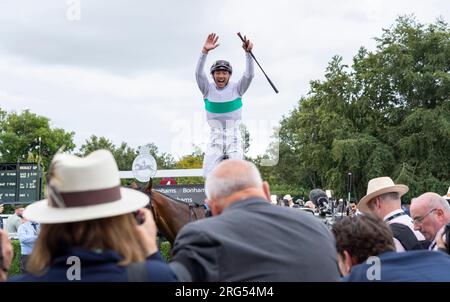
column 378, row 186
column 80, row 189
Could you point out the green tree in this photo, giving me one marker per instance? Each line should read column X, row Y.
column 191, row 161
column 386, row 115
column 19, row 138
column 125, row 155
column 96, row 143
column 163, row 160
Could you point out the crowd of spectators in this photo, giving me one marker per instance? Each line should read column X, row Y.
column 251, row 236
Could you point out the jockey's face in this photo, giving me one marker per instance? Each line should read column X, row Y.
column 221, row 78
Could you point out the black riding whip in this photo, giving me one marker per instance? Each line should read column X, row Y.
column 270, row 82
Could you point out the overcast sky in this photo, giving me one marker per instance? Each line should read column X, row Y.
column 125, row 69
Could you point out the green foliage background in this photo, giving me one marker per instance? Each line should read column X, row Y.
column 386, row 114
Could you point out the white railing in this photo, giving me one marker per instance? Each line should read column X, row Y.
column 168, row 173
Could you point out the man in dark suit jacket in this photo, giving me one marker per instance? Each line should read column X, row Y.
column 367, row 253
column 248, row 238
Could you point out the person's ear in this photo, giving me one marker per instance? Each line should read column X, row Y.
column 347, row 263
column 214, row 206
column 377, row 203
column 440, row 214
column 342, row 265
column 266, row 190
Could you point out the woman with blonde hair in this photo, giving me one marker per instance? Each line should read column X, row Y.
column 89, row 226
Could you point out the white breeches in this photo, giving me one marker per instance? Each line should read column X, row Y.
column 224, row 143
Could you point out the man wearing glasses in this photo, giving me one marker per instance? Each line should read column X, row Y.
column 383, row 200
column 430, row 213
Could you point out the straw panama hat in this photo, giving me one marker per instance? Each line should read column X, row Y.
column 378, row 186
column 448, row 195
column 287, row 197
column 84, row 189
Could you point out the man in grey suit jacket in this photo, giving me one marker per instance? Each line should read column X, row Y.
column 248, row 238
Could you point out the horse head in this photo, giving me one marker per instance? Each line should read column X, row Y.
column 171, row 214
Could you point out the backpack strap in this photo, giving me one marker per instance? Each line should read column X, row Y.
column 137, row 272
column 407, row 237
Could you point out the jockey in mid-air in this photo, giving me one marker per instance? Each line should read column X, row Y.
column 223, row 104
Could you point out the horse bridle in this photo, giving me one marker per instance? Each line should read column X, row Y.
column 150, row 205
column 191, row 206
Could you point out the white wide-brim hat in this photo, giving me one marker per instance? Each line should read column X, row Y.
column 82, row 189
column 378, row 186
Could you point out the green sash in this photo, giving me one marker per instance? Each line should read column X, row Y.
column 224, row 107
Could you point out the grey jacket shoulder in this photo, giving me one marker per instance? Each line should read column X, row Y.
column 253, row 240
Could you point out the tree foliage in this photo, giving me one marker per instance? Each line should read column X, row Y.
column 124, row 154
column 191, row 161
column 19, row 138
column 386, row 115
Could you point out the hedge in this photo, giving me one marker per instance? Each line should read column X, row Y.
column 165, row 250
column 15, row 266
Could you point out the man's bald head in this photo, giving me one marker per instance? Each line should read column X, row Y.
column 430, row 200
column 231, row 176
column 430, row 212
